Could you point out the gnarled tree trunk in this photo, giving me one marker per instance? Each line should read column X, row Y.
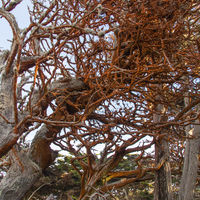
column 21, row 176
column 163, row 182
column 27, row 167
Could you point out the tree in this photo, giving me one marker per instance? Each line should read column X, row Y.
column 95, row 78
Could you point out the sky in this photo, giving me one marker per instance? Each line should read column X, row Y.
column 22, row 17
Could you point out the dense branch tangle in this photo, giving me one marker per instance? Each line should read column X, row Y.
column 92, row 71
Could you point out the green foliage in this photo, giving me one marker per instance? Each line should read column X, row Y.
column 64, row 165
column 128, row 163
column 64, row 180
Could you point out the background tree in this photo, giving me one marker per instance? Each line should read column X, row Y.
column 100, row 80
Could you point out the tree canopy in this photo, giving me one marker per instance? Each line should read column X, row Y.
column 100, row 80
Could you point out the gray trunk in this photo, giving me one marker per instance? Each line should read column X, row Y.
column 27, row 167
column 191, row 160
column 163, row 182
column 19, row 178
column 162, row 190
column 7, row 137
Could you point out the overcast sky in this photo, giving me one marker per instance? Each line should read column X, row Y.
column 22, row 16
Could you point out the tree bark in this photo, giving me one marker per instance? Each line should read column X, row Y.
column 27, row 167
column 7, row 137
column 163, row 182
column 190, row 168
column 20, row 177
